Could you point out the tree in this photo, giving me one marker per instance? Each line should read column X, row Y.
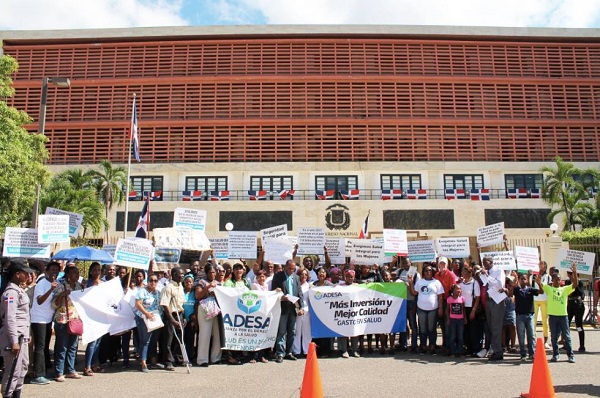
column 559, row 186
column 22, row 155
column 109, row 183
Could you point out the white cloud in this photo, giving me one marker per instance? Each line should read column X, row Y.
column 79, row 14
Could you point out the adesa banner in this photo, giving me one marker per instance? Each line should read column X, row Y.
column 354, row 310
column 250, row 318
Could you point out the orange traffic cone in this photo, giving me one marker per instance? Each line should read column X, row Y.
column 541, row 381
column 311, row 383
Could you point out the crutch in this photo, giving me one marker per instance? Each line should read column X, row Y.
column 181, row 343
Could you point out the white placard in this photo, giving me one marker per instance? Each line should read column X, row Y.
column 75, row 219
column 135, row 253
column 192, row 218
column 395, row 242
column 181, row 238
column 528, row 258
column 242, row 244
column 23, row 242
column 311, row 240
column 53, row 228
column 453, row 247
column 278, row 250
column 490, row 234
column 366, row 251
column 273, row 232
column 110, row 249
column 336, row 251
column 585, row 261
column 220, row 247
column 422, row 251
column 503, row 259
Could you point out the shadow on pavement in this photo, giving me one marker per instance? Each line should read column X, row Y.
column 585, row 389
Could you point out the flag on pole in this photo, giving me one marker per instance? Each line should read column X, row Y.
column 134, row 133
column 365, row 228
column 141, row 231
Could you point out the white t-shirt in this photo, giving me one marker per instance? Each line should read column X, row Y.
column 428, row 290
column 546, row 280
column 42, row 313
column 467, row 292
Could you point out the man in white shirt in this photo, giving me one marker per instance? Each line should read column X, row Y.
column 495, row 305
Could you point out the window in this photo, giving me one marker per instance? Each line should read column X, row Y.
column 272, row 184
column 401, row 181
column 523, row 181
column 206, row 184
column 146, row 184
column 336, row 183
column 463, row 181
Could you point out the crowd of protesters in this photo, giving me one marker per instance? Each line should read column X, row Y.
column 457, row 308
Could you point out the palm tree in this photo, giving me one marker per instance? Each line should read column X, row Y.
column 109, row 183
column 561, row 189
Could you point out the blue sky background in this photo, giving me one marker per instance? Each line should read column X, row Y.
column 81, row 14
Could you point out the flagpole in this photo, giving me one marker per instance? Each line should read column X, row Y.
column 128, row 171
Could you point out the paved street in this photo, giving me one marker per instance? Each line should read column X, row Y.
column 369, row 376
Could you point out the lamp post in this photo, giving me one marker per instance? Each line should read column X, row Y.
column 58, row 82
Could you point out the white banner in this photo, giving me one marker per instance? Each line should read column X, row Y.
column 53, row 229
column 250, row 318
column 366, row 251
column 504, row 259
column 102, row 310
column 585, row 261
column 135, row 253
column 528, row 258
column 23, row 242
column 421, row 251
column 311, row 240
column 278, row 250
column 75, row 219
column 242, row 244
column 273, row 232
column 490, row 234
column 453, row 247
column 345, row 311
column 192, row 218
column 395, row 242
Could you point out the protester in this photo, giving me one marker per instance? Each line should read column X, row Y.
column 147, row 308
column 455, row 320
column 524, row 295
column 324, row 344
column 509, row 324
column 471, row 293
column 540, row 302
column 495, row 305
column 91, row 351
column 171, row 301
column 386, row 276
column 411, row 306
column 260, row 284
column 189, row 314
column 289, row 284
column 429, row 293
column 207, row 314
column 343, row 341
column 576, row 308
column 303, row 335
column 447, row 278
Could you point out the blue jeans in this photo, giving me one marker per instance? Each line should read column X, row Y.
column 560, row 325
column 147, row 340
column 286, row 332
column 427, row 326
column 456, row 331
column 411, row 315
column 525, row 325
column 65, row 349
column 91, row 353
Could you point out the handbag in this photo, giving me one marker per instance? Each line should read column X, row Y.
column 210, row 307
column 75, row 325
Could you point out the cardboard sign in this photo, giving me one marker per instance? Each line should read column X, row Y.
column 273, row 232
column 135, row 253
column 453, row 247
column 279, row 250
column 528, row 258
column 23, row 242
column 366, row 251
column 490, row 234
column 336, row 251
column 220, row 247
column 242, row 244
column 192, row 218
column 421, row 251
column 53, row 229
column 75, row 219
column 395, row 242
column 504, row 260
column 181, row 238
column 311, row 241
column 585, row 261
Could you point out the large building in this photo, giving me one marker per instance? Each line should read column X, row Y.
column 412, row 114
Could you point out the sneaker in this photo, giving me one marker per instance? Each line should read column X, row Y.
column 59, row 379
column 547, row 346
column 482, row 353
column 345, row 355
column 571, row 359
column 554, row 358
column 530, row 357
column 356, row 354
column 279, row 359
column 581, row 349
column 523, row 357
column 40, row 381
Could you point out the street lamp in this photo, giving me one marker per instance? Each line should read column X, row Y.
column 57, row 82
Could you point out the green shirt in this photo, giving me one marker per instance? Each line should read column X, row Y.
column 557, row 299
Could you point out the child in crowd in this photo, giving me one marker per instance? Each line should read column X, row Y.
column 455, row 320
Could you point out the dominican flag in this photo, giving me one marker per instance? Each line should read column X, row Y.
column 350, row 194
column 535, row 193
column 517, row 193
column 134, row 133
column 257, row 195
column 388, row 194
column 422, row 194
column 324, row 195
column 285, row 193
column 480, row 194
column 364, row 231
column 455, row 194
column 153, row 195
column 141, row 231
column 133, row 195
column 416, row 193
column 219, row 195
column 189, row 196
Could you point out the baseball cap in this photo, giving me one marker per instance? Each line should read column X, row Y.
column 20, row 264
column 442, row 260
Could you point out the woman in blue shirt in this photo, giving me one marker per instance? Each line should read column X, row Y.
column 147, row 307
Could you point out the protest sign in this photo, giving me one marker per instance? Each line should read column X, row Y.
column 75, row 219
column 278, row 250
column 135, row 253
column 311, row 240
column 273, row 232
column 453, row 247
column 23, row 242
column 490, row 234
column 504, row 259
column 395, row 242
column 421, row 251
column 192, row 218
column 220, row 247
column 242, row 244
column 354, row 310
column 250, row 318
column 53, row 229
column 366, row 251
column 336, row 251
column 585, row 261
column 528, row 258
column 110, row 249
column 182, row 238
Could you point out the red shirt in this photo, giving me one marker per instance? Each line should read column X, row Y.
column 447, row 280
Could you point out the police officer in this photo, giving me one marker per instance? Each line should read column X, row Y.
column 14, row 333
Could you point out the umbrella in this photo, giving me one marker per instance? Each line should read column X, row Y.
column 84, row 253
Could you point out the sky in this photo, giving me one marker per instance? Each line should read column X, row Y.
column 86, row 14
